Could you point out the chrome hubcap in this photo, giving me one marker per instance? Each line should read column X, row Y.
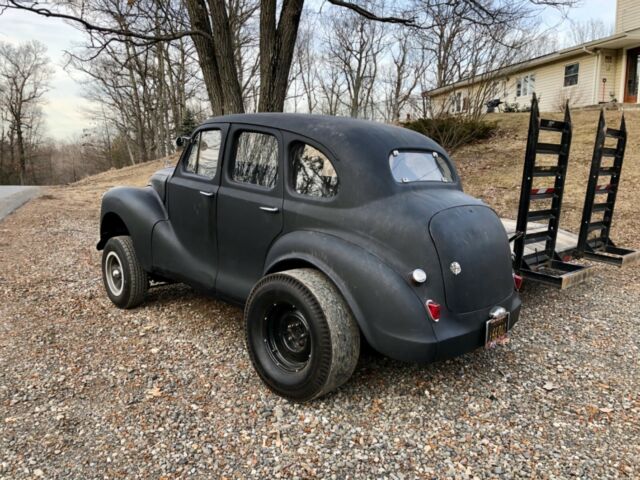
column 113, row 273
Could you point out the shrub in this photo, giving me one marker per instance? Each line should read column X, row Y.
column 453, row 132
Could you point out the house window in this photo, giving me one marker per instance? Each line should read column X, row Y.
column 571, row 74
column 526, row 85
column 608, row 63
column 457, row 102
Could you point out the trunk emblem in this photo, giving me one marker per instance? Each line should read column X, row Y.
column 455, row 268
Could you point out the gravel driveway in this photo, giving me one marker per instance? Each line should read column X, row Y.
column 167, row 390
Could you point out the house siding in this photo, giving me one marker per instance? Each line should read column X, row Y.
column 549, row 86
column 627, row 15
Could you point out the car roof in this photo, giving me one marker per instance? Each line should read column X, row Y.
column 346, row 137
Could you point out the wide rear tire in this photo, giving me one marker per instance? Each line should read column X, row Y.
column 124, row 278
column 301, row 336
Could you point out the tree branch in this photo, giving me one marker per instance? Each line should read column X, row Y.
column 36, row 7
column 409, row 22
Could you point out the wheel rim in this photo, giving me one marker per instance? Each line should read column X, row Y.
column 113, row 273
column 288, row 337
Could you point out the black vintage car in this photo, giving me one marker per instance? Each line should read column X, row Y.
column 325, row 229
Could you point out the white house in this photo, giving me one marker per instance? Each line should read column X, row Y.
column 595, row 72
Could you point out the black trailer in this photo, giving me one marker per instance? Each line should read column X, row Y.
column 536, row 253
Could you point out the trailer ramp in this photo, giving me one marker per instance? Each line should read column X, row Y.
column 535, row 256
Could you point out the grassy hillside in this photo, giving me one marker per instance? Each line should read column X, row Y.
column 492, row 170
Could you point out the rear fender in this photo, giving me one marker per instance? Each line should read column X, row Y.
column 388, row 311
column 139, row 209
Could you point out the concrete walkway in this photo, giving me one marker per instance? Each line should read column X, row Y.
column 13, row 197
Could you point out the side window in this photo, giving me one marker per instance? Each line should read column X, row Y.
column 192, row 162
column 209, row 153
column 256, row 159
column 313, row 173
column 204, row 153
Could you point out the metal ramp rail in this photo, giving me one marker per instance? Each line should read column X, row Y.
column 601, row 248
column 544, row 265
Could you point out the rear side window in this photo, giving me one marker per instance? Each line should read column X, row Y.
column 313, row 173
column 407, row 167
column 204, row 153
column 256, row 159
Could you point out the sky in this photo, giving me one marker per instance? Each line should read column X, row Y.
column 67, row 112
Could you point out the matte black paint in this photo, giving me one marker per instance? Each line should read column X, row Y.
column 367, row 239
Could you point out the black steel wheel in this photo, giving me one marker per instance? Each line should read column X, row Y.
column 124, row 278
column 301, row 336
column 288, row 336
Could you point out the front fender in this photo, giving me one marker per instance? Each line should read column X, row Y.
column 388, row 311
column 140, row 209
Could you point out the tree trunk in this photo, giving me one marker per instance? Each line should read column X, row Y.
column 277, row 45
column 206, row 48
column 225, row 55
column 22, row 157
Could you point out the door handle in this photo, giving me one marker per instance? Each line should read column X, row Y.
column 270, row 209
column 207, row 194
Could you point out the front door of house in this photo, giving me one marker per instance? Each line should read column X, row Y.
column 631, row 83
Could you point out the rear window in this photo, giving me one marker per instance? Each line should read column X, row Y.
column 407, row 167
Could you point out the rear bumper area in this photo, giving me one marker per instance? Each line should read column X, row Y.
column 455, row 335
column 471, row 339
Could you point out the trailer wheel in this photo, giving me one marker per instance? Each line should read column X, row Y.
column 301, row 336
column 124, row 278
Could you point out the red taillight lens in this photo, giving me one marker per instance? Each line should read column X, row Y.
column 434, row 310
column 517, row 281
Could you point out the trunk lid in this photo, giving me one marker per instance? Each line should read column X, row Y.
column 474, row 256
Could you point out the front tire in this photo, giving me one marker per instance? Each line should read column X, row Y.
column 124, row 278
column 301, row 336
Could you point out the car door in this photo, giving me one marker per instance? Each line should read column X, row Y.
column 191, row 199
column 249, row 207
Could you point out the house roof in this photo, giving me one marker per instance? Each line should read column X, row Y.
column 618, row 40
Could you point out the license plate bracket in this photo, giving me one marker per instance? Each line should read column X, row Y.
column 496, row 331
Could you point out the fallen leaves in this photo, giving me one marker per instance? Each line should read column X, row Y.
column 550, row 386
column 154, row 392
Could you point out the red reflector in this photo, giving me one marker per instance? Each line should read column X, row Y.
column 517, row 281
column 434, row 310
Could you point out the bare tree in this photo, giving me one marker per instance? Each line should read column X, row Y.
column 306, row 60
column 583, row 32
column 24, row 79
column 409, row 63
column 354, row 46
column 209, row 24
